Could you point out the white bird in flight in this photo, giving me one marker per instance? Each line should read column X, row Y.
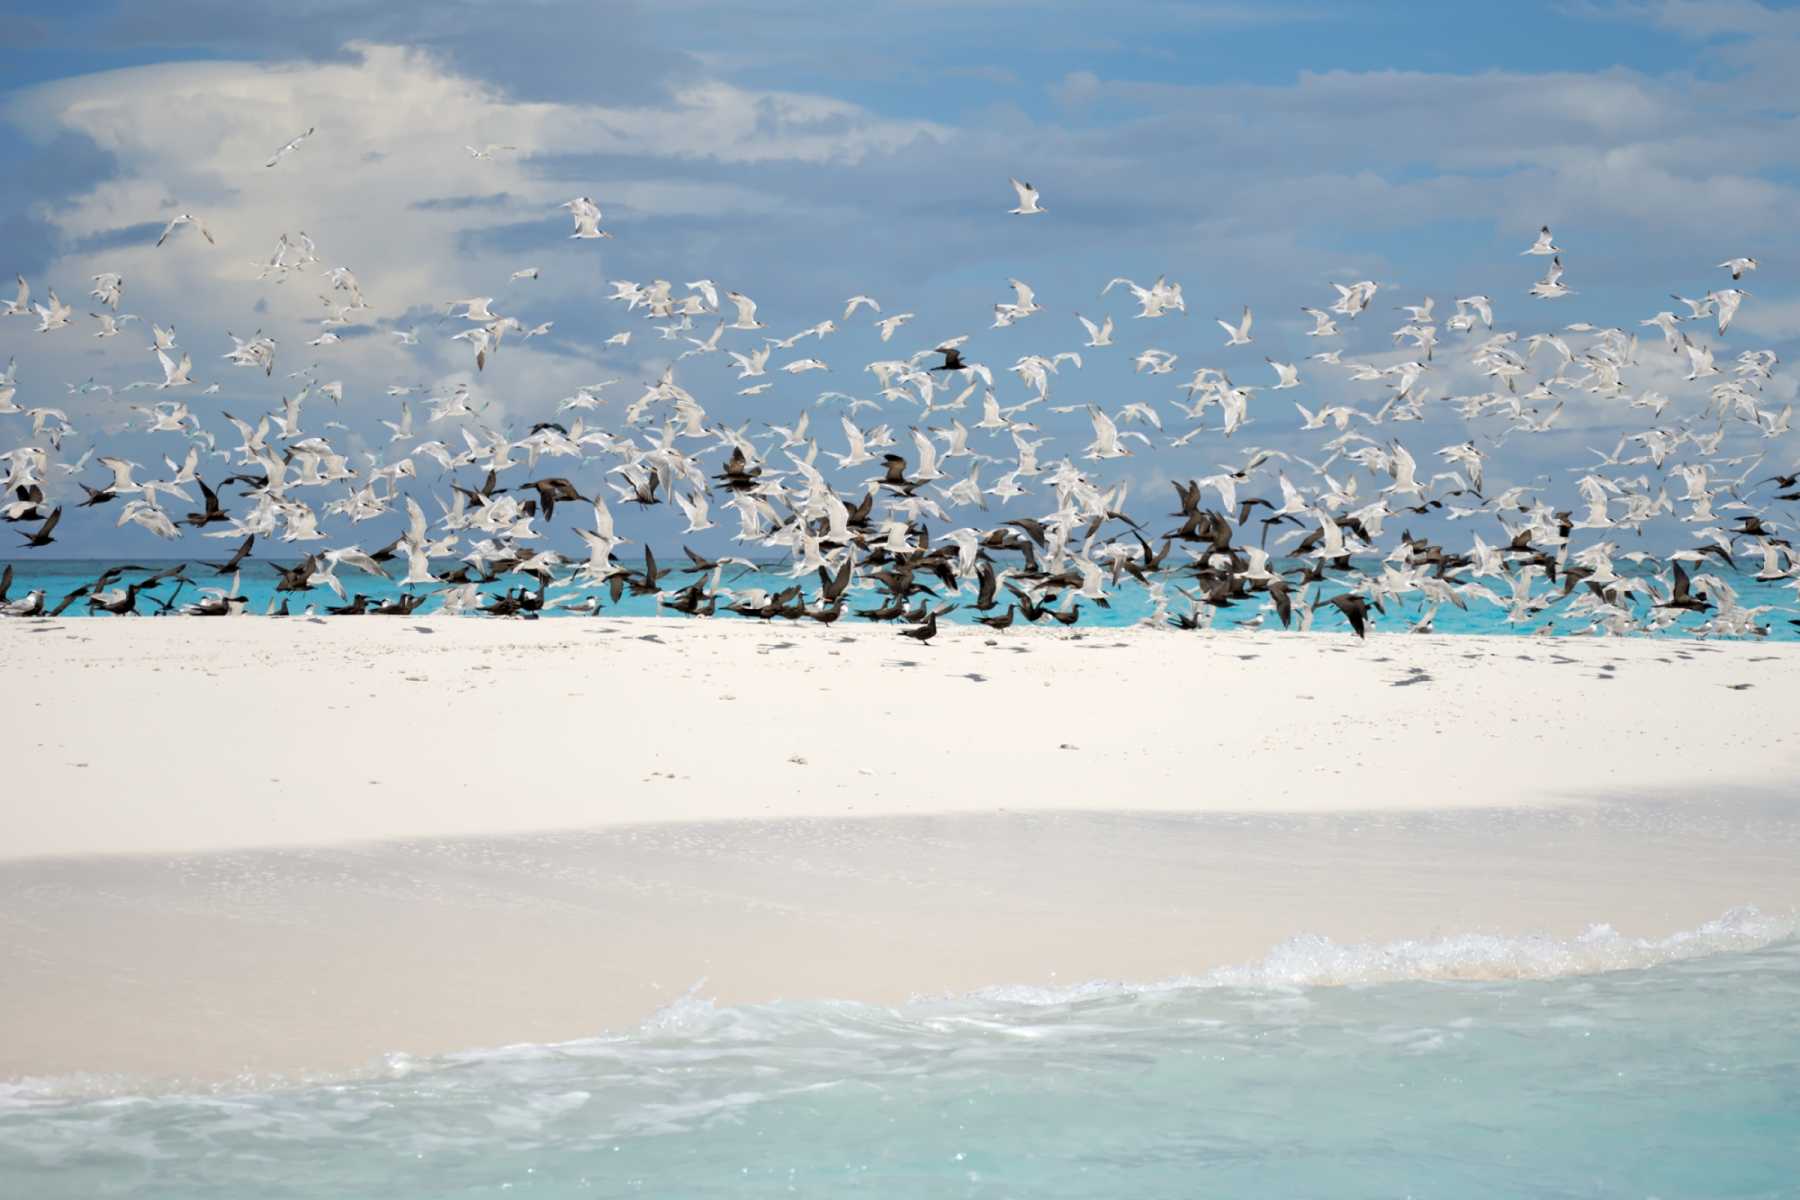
column 1240, row 333
column 1028, row 200
column 587, row 218
column 107, row 287
column 186, row 219
column 292, row 145
column 746, row 311
column 1551, row 286
column 1288, row 373
column 1543, row 245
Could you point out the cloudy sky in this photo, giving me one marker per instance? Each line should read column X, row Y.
column 801, row 153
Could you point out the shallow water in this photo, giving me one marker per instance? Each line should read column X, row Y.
column 1130, row 603
column 1678, row 1075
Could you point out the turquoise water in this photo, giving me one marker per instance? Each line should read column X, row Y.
column 1130, row 603
column 1680, row 1078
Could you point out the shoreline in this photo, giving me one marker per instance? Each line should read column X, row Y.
column 251, row 968
column 574, row 823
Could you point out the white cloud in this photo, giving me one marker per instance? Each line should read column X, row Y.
column 378, row 188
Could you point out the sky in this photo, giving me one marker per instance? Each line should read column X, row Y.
column 802, row 153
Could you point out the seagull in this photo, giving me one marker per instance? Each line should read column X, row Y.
column 587, row 218
column 1028, row 200
column 887, row 325
column 1551, row 286
column 53, row 317
column 1482, row 306
column 186, row 219
column 107, row 287
column 858, row 301
column 174, row 375
column 1738, row 266
column 292, row 145
column 746, row 312
column 1323, row 323
column 1240, row 333
column 1288, row 373
column 1543, row 245
column 110, row 322
column 1107, row 436
column 475, row 308
column 1728, row 300
column 1098, row 335
column 1023, row 305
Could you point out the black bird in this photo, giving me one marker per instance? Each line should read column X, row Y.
column 213, row 513
column 123, row 606
column 97, row 496
column 833, row 587
column 42, row 537
column 551, row 490
column 738, row 475
column 1278, row 592
column 1034, row 528
column 1355, row 609
column 987, row 586
column 646, row 584
column 28, row 494
column 925, row 632
column 886, row 612
column 242, row 552
column 1032, row 610
column 1003, row 621
column 297, row 578
column 689, row 600
column 896, row 475
column 1140, row 569
column 69, row 599
column 174, row 572
column 643, row 490
column 953, row 359
column 1681, row 598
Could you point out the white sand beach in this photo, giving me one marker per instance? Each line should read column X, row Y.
column 286, row 847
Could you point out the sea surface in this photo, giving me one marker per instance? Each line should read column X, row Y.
column 1130, row 603
column 1597, row 1067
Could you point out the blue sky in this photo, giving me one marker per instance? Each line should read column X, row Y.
column 802, row 153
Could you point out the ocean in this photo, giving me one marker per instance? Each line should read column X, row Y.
column 1130, row 603
column 1597, row 1067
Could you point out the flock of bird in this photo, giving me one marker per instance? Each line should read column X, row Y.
column 890, row 516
